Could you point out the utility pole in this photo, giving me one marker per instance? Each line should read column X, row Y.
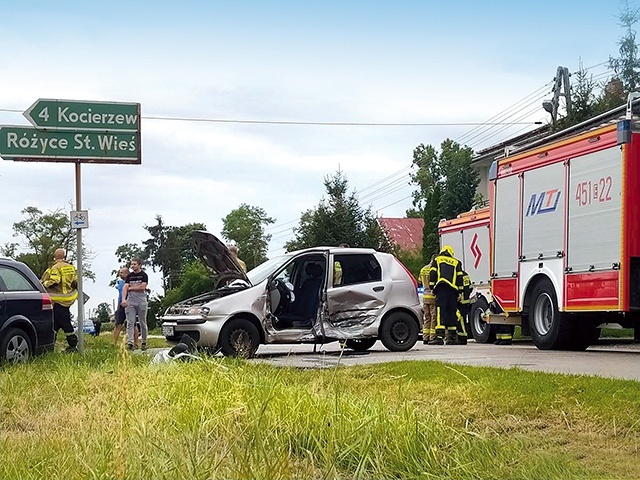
column 561, row 88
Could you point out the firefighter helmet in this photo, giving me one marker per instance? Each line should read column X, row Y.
column 447, row 250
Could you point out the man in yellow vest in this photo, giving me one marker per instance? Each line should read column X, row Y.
column 61, row 282
column 428, row 305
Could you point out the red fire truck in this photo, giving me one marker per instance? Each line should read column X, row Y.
column 558, row 249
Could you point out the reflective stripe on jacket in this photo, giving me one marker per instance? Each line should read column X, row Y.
column 466, row 288
column 424, row 280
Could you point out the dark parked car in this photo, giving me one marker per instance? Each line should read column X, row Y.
column 26, row 313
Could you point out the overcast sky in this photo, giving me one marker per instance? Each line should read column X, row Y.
column 445, row 65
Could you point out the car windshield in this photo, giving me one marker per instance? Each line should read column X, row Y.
column 262, row 271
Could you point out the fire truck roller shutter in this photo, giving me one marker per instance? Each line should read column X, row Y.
column 505, row 255
column 594, row 210
column 543, row 212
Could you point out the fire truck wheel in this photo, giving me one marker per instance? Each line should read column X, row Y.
column 550, row 329
column 482, row 332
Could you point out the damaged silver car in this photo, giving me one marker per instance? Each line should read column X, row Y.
column 317, row 295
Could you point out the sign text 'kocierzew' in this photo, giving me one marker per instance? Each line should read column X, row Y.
column 32, row 144
column 84, row 115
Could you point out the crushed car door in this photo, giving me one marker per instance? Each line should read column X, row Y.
column 356, row 297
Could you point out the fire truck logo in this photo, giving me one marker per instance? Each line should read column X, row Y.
column 475, row 250
column 544, row 202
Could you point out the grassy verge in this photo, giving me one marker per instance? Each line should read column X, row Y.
column 109, row 414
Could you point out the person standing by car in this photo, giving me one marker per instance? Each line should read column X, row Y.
column 134, row 301
column 337, row 269
column 446, row 282
column 120, row 315
column 233, row 250
column 61, row 282
column 429, row 305
column 97, row 326
column 464, row 304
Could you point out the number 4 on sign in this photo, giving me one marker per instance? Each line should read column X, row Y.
column 44, row 114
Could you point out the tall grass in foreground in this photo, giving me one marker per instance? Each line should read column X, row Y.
column 108, row 414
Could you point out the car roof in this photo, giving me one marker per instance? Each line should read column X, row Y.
column 334, row 250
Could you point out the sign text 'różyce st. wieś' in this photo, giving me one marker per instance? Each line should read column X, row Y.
column 31, row 144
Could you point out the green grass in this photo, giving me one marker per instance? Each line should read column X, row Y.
column 109, row 414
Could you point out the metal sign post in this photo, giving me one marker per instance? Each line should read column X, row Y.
column 79, row 267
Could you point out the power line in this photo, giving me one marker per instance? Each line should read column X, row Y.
column 291, row 122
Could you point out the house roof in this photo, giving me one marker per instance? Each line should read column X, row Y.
column 404, row 233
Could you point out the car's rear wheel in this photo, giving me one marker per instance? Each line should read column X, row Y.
column 361, row 344
column 15, row 346
column 398, row 332
column 239, row 338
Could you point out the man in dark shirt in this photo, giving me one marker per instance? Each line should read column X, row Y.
column 134, row 301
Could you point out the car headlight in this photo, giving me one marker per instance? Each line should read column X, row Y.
column 203, row 311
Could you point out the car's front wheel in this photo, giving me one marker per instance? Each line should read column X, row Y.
column 239, row 338
column 15, row 346
column 398, row 332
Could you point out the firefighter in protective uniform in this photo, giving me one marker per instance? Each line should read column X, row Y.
column 446, row 282
column 464, row 303
column 428, row 305
column 61, row 281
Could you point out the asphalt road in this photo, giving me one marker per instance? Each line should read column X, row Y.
column 619, row 359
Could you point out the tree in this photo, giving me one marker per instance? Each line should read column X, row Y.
column 337, row 219
column 627, row 65
column 459, row 179
column 124, row 254
column 195, row 280
column 446, row 187
column 169, row 249
column 431, row 217
column 103, row 312
column 245, row 226
column 42, row 233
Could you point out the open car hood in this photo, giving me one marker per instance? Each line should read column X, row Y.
column 216, row 257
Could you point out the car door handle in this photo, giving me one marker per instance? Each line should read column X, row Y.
column 378, row 289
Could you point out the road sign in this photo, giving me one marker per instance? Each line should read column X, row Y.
column 84, row 115
column 31, row 144
column 79, row 219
